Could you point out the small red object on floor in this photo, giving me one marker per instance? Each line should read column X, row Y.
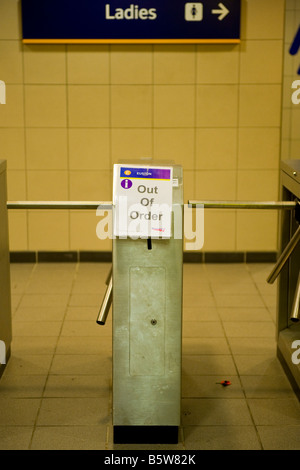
column 225, row 383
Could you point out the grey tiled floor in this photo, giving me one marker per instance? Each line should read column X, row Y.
column 56, row 390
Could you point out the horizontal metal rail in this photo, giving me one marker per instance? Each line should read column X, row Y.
column 286, row 205
column 82, row 205
column 107, row 205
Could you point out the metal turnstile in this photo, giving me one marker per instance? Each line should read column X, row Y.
column 288, row 266
column 145, row 290
column 147, row 317
column 5, row 301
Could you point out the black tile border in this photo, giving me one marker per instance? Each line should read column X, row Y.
column 261, row 257
column 23, row 257
column 57, row 256
column 215, row 257
column 95, row 256
column 145, row 434
column 106, row 257
column 193, row 257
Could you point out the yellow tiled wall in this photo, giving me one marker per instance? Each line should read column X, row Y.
column 290, row 137
column 73, row 111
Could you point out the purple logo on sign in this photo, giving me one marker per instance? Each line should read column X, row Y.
column 126, row 184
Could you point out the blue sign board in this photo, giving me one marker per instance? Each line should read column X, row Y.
column 140, row 21
column 295, row 47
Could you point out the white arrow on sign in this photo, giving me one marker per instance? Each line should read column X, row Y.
column 222, row 12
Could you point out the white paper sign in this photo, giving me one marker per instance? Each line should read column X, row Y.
column 142, row 197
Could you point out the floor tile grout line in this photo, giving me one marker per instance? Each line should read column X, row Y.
column 53, row 356
column 241, row 384
column 248, row 399
column 260, row 294
column 26, row 285
column 232, row 356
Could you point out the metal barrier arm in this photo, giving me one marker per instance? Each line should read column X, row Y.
column 84, row 205
column 74, row 205
column 107, row 205
column 284, row 256
column 283, row 205
column 106, row 303
column 295, row 313
column 287, row 205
